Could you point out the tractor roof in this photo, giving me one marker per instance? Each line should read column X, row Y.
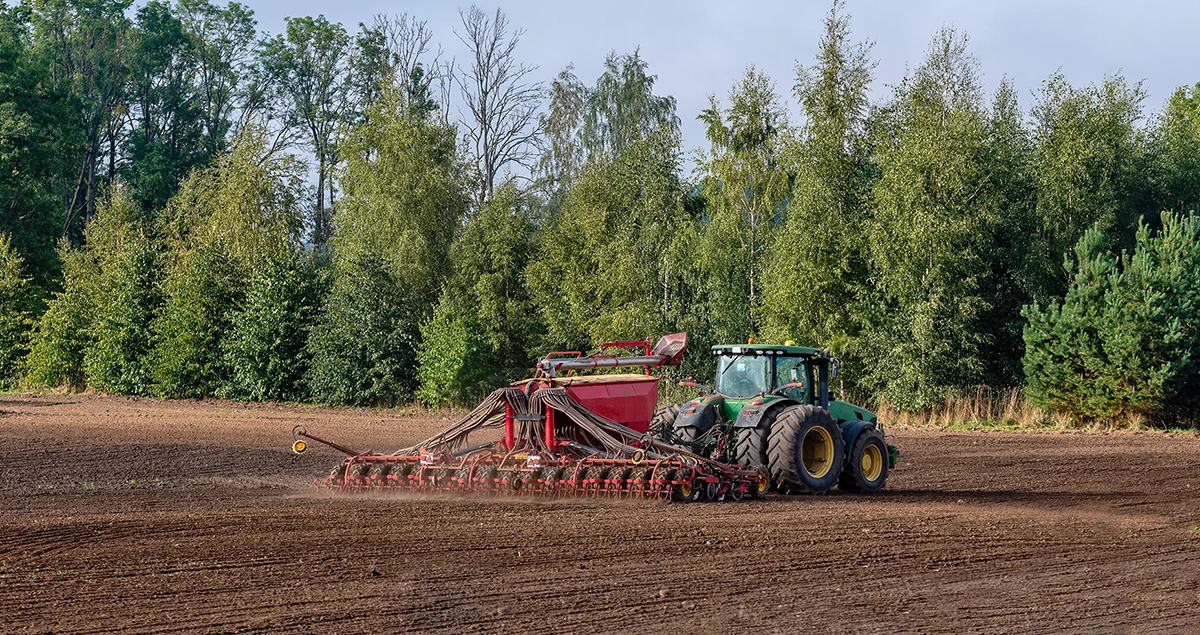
column 764, row 349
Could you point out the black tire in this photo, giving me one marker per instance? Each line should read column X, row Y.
column 567, row 479
column 378, row 473
column 867, row 475
column 805, row 450
column 462, row 478
column 636, row 483
column 597, row 474
column 687, row 436
column 751, row 444
column 663, row 424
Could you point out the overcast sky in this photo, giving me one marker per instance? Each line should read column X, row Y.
column 702, row 47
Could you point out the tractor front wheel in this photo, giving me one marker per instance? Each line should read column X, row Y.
column 805, row 450
column 751, row 444
column 867, row 467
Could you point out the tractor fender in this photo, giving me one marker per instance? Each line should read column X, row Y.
column 850, row 432
column 700, row 414
column 751, row 414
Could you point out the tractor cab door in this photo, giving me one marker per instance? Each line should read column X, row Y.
column 793, row 370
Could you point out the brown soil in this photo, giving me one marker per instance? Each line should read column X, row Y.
column 122, row 514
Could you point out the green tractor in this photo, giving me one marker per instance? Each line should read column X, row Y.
column 769, row 408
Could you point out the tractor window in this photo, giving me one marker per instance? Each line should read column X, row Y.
column 743, row 375
column 791, row 370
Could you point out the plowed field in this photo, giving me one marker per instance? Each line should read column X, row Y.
column 137, row 515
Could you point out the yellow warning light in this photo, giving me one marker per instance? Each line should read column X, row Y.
column 750, row 340
column 790, row 343
column 299, row 446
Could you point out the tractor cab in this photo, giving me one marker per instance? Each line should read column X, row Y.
column 763, row 373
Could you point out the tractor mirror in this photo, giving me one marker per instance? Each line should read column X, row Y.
column 833, row 368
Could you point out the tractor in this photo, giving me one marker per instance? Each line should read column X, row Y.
column 769, row 408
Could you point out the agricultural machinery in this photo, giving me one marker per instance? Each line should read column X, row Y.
column 770, row 408
column 567, row 433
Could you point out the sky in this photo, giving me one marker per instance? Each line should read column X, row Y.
column 702, row 47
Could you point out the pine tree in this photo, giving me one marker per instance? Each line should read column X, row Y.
column 1125, row 340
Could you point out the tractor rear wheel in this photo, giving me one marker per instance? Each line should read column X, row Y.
column 867, row 466
column 663, row 423
column 805, row 450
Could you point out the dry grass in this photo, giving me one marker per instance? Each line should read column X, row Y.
column 982, row 407
column 985, row 408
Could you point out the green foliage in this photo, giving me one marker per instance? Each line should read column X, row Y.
column 125, row 295
column 931, row 239
column 38, row 132
column 613, row 266
column 1175, row 147
column 62, row 335
column 84, row 47
column 609, row 118
column 308, row 65
column 222, row 41
column 456, row 362
column 817, row 267
column 265, row 348
column 404, row 200
column 485, row 324
column 622, row 108
column 1125, row 338
column 364, row 347
column 15, row 321
column 228, row 223
column 1087, row 160
column 746, row 190
column 200, row 291
column 165, row 142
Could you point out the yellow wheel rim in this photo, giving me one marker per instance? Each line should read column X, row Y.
column 685, row 490
column 816, row 452
column 872, row 463
column 763, row 483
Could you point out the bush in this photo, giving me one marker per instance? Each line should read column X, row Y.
column 126, row 295
column 62, row 334
column 364, row 345
column 201, row 292
column 265, row 350
column 1124, row 341
column 225, row 226
column 456, row 361
column 485, row 322
column 15, row 321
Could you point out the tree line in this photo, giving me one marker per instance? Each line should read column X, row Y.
column 160, row 234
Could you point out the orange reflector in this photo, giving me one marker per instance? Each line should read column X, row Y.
column 299, row 446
